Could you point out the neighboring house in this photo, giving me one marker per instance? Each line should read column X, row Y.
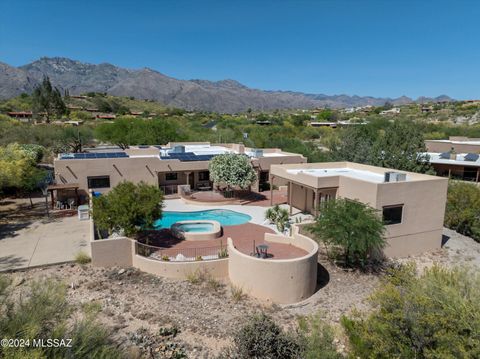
column 457, row 157
column 392, row 111
column 412, row 204
column 166, row 166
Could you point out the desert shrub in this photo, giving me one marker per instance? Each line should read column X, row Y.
column 213, row 284
column 223, row 253
column 352, row 230
column 44, row 313
column 261, row 337
column 237, row 293
column 82, row 258
column 317, row 339
column 434, row 315
column 462, row 212
column 197, row 277
column 278, row 216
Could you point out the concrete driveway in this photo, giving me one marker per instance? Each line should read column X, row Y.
column 29, row 239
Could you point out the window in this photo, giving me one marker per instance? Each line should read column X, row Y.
column 392, row 214
column 204, row 176
column 264, row 176
column 98, row 182
column 171, row 176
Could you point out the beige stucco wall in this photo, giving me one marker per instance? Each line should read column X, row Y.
column 422, row 218
column 423, row 198
column 148, row 169
column 434, row 146
column 217, row 268
column 280, row 281
column 121, row 252
column 112, row 252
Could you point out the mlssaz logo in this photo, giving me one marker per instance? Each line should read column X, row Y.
column 52, row 343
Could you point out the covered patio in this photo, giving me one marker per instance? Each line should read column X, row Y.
column 66, row 195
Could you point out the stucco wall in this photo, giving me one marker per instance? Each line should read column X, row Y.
column 433, row 146
column 112, row 252
column 280, row 281
column 216, row 268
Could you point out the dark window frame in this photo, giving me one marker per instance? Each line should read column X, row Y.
column 395, row 220
column 174, row 176
column 91, row 180
column 202, row 174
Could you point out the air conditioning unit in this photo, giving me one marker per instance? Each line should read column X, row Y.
column 395, row 176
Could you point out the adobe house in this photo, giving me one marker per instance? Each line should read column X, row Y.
column 412, row 205
column 166, row 166
column 457, row 157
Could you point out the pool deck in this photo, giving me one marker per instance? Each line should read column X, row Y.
column 244, row 236
column 261, row 199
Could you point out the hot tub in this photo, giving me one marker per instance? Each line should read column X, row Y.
column 196, row 230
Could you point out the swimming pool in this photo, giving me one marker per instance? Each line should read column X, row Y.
column 225, row 217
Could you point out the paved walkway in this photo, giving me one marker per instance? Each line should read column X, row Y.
column 29, row 239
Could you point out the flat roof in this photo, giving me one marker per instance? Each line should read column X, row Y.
column 457, row 142
column 435, row 157
column 310, row 173
column 341, row 171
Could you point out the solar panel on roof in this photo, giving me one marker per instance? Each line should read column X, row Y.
column 471, row 157
column 445, row 155
column 90, row 155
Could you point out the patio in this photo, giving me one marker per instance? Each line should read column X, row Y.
column 245, row 238
column 242, row 198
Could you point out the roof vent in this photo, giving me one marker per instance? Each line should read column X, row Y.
column 395, row 177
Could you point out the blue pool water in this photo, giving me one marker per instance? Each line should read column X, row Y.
column 224, row 216
column 196, row 227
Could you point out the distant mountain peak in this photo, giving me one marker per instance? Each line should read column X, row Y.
column 225, row 96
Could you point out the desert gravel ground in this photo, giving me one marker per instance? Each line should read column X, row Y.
column 136, row 305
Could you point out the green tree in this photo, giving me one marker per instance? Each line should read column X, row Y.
column 73, row 138
column 47, row 99
column 128, row 207
column 129, row 131
column 462, row 212
column 351, row 229
column 232, row 170
column 434, row 315
column 402, row 147
column 355, row 144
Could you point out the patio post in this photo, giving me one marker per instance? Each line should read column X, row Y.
column 271, row 189
column 290, row 196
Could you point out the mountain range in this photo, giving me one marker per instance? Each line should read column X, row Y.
column 226, row 96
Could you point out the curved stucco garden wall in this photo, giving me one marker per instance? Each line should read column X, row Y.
column 121, row 252
column 281, row 281
column 217, row 268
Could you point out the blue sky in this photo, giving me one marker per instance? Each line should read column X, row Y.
column 378, row 48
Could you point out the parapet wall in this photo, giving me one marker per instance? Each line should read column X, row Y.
column 278, row 280
column 281, row 281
